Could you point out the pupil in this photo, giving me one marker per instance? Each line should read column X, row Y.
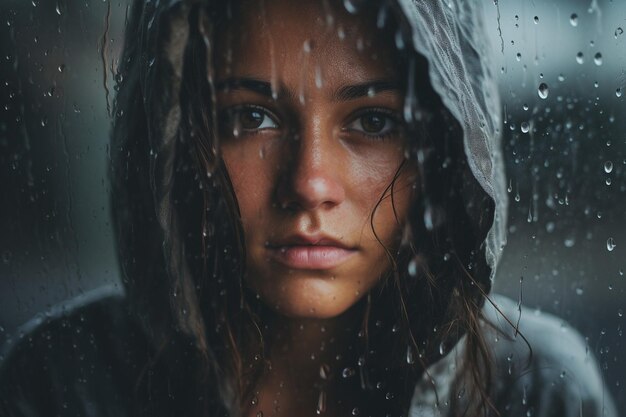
column 251, row 119
column 373, row 123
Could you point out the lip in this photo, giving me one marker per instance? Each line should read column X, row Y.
column 310, row 252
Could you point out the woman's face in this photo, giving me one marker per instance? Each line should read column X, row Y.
column 310, row 114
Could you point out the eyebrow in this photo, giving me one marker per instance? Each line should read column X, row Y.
column 344, row 93
column 245, row 83
column 352, row 92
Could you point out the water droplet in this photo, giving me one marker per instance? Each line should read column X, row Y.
column 58, row 9
column 580, row 58
column 618, row 92
column 597, row 59
column 319, row 81
column 620, row 313
column 324, row 371
column 608, row 181
column 525, row 127
column 355, row 411
column 579, row 291
column 543, row 91
column 536, row 19
column 618, row 32
column 569, row 242
column 410, row 358
column 321, row 403
column 518, row 56
column 399, row 40
column 608, row 167
column 573, row 19
column 61, row 68
column 412, row 268
column 306, row 46
column 254, row 400
column 347, row 372
column 610, row 244
column 350, row 6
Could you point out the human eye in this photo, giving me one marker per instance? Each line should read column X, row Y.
column 374, row 123
column 248, row 119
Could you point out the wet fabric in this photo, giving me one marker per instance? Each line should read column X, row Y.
column 84, row 359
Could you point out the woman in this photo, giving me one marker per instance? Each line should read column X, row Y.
column 309, row 207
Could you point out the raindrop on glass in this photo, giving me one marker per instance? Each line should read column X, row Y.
column 610, row 244
column 321, row 403
column 543, row 91
column 412, row 268
column 597, row 59
column 618, row 32
column 347, row 372
column 536, row 19
column 618, row 92
column 324, row 371
column 350, row 6
column 573, row 19
column 525, row 127
column 608, row 167
column 580, row 58
column 518, row 56
column 410, row 359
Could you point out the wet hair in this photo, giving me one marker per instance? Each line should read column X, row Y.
column 431, row 297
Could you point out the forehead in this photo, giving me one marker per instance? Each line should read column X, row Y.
column 260, row 37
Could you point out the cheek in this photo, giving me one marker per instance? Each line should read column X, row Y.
column 390, row 201
column 250, row 179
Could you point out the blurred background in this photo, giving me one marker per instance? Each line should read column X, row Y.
column 561, row 66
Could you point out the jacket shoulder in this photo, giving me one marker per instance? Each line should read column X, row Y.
column 81, row 355
column 543, row 366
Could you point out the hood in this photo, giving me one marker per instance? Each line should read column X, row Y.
column 154, row 189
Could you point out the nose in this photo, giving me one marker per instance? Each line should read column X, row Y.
column 312, row 176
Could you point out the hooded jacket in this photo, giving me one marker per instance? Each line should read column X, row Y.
column 83, row 358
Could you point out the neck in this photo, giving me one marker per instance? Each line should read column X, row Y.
column 307, row 357
column 304, row 344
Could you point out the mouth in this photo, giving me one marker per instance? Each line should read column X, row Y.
column 310, row 252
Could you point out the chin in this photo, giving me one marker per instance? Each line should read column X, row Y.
column 309, row 298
